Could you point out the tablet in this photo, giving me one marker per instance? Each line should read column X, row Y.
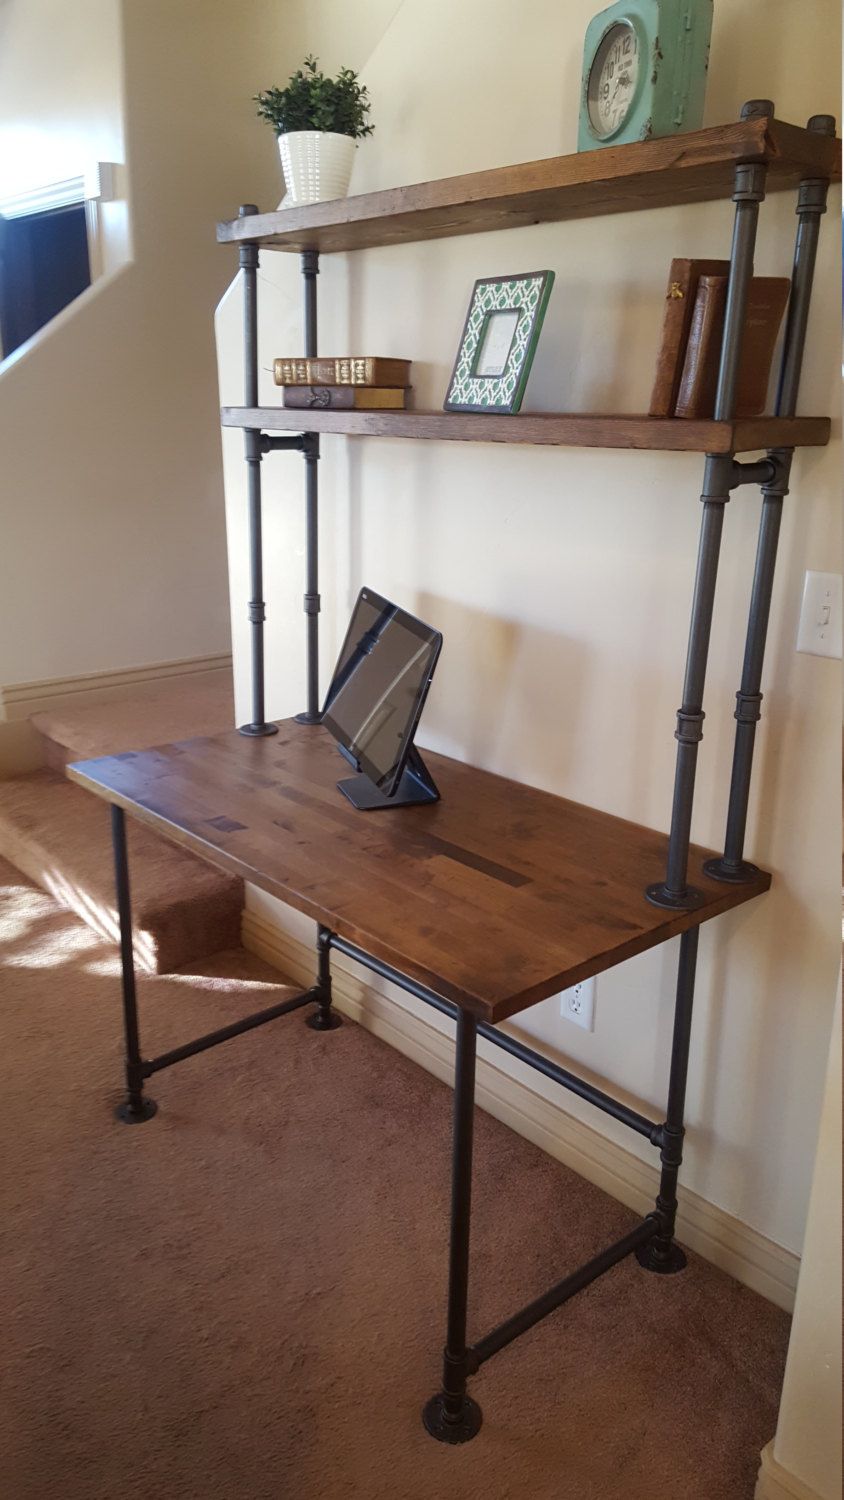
column 379, row 687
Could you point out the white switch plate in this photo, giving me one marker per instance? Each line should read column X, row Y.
column 577, row 1004
column 819, row 632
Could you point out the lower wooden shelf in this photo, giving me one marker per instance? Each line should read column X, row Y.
column 563, row 429
column 495, row 897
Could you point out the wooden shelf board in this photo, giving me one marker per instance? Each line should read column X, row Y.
column 693, row 168
column 565, row 429
column 496, row 897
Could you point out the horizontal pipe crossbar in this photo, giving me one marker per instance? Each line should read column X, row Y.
column 213, row 1038
column 650, row 1129
column 273, row 444
column 535, row 1311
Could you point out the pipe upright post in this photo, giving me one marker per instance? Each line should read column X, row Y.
column 324, row 1018
column 661, row 1254
column 674, row 892
column 253, row 451
column 137, row 1106
column 452, row 1416
column 311, row 715
column 811, row 205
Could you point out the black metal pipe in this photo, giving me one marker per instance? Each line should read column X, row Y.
column 325, row 1017
column 762, row 472
column 650, row 1129
column 535, row 1311
column 674, row 891
column 311, row 715
column 811, row 205
column 273, row 444
column 630, row 1117
column 663, row 1255
column 225, row 1033
column 252, row 446
column 454, row 1357
column 135, row 1107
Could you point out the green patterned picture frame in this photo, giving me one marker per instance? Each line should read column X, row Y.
column 498, row 342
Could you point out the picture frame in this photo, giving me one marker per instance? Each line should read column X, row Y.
column 498, row 342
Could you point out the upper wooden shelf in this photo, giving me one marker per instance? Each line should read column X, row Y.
column 564, row 429
column 692, row 168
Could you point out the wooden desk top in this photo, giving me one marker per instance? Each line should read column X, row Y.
column 495, row 897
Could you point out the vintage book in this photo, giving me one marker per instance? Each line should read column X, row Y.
column 683, row 281
column 351, row 370
column 345, row 397
column 766, row 300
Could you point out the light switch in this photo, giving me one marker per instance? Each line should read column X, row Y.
column 819, row 631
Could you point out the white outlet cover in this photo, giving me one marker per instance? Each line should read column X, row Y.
column 577, row 1004
column 819, row 632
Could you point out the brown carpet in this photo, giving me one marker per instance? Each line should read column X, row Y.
column 243, row 1299
column 60, row 836
column 149, row 713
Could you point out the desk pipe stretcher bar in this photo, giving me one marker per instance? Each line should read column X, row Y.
column 138, row 1106
column 452, row 1415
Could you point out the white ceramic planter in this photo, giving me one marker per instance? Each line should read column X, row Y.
column 317, row 165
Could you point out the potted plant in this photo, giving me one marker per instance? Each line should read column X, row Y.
column 317, row 121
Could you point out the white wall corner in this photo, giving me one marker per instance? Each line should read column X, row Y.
column 717, row 1236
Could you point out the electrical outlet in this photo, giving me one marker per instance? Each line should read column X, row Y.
column 577, row 1004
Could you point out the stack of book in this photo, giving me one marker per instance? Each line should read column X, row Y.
column 351, row 383
column 690, row 352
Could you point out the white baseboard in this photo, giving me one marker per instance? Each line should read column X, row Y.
column 20, row 745
column 776, row 1483
column 714, row 1234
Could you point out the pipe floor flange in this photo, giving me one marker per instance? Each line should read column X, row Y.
column 257, row 731
column 130, row 1116
column 718, row 869
column 320, row 1022
column 661, row 1265
column 467, row 1425
column 659, row 895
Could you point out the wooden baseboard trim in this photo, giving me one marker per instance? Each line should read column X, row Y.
column 20, row 699
column 714, row 1234
column 776, row 1483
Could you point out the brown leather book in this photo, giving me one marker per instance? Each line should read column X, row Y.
column 680, row 296
column 766, row 300
column 349, row 370
column 344, row 397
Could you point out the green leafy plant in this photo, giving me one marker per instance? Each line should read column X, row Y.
column 311, row 101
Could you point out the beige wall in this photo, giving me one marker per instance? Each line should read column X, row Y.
column 112, row 547
column 562, row 579
column 805, row 1457
column 60, row 89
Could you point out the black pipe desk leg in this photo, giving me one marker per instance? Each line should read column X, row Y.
column 136, row 1107
column 452, row 1416
column 324, row 1018
column 661, row 1254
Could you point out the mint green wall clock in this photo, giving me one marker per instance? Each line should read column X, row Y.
column 644, row 71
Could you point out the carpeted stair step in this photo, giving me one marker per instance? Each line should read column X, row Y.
column 60, row 836
column 150, row 713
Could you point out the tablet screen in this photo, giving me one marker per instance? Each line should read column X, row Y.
column 379, row 685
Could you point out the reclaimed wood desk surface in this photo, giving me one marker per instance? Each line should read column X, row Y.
column 495, row 897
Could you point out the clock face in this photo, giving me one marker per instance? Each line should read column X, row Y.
column 612, row 79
